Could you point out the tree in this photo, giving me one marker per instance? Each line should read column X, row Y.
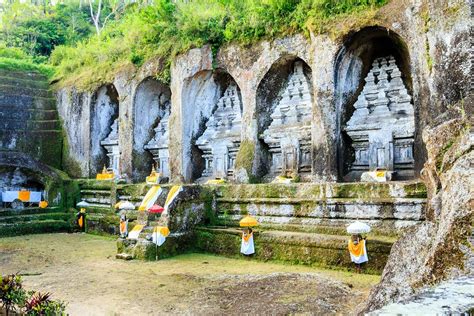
column 114, row 8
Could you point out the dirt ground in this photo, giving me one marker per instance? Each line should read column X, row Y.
column 82, row 270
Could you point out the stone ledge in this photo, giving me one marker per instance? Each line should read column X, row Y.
column 299, row 248
column 16, row 90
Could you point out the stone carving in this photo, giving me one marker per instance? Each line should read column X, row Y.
column 111, row 144
column 289, row 134
column 220, row 141
column 159, row 144
column 382, row 126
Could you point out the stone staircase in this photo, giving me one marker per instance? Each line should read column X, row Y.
column 29, row 120
column 306, row 223
column 35, row 221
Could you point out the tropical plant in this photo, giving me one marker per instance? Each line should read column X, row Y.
column 12, row 294
column 41, row 304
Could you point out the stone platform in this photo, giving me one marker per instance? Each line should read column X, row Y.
column 299, row 223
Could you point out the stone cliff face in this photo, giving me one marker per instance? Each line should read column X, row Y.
column 428, row 41
column 441, row 247
column 29, row 119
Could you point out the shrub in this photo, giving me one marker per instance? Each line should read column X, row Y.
column 41, row 304
column 12, row 294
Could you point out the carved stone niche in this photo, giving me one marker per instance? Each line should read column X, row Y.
column 158, row 146
column 382, row 127
column 111, row 145
column 289, row 134
column 220, row 141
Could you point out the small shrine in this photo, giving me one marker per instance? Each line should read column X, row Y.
column 111, row 145
column 158, row 146
column 220, row 141
column 382, row 127
column 289, row 134
column 105, row 175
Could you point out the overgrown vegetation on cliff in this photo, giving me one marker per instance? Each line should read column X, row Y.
column 139, row 31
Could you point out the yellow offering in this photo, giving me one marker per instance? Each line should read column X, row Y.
column 154, row 176
column 282, row 179
column 163, row 230
column 43, row 204
column 248, row 221
column 117, row 205
column 215, row 181
column 105, row 175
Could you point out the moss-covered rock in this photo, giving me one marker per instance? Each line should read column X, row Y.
column 295, row 248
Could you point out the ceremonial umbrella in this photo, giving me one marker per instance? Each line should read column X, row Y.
column 126, row 205
column 83, row 204
column 248, row 221
column 358, row 228
column 156, row 209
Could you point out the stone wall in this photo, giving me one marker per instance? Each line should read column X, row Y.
column 441, row 247
column 428, row 41
column 31, row 139
column 29, row 119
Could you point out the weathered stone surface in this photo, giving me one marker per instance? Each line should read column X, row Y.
column 159, row 145
column 150, row 128
column 438, row 249
column 289, row 133
column 28, row 117
column 426, row 51
column 220, row 141
column 111, row 145
column 382, row 126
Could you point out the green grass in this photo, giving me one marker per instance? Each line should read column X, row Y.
column 13, row 64
column 168, row 28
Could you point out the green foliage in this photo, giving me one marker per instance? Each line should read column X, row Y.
column 12, row 294
column 25, row 65
column 42, row 304
column 37, row 31
column 15, row 298
column 163, row 29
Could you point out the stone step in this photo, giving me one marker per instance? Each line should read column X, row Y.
column 23, row 90
column 323, row 250
column 22, row 82
column 28, row 114
column 24, row 75
column 92, row 184
column 10, row 101
column 328, row 190
column 385, row 214
column 328, row 227
column 29, row 141
column 35, row 227
column 29, row 125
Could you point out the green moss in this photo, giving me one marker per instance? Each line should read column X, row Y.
column 426, row 27
column 245, row 158
column 69, row 164
column 294, row 252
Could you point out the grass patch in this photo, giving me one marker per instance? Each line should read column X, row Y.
column 168, row 28
column 12, row 64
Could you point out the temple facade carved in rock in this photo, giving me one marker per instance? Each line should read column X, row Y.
column 289, row 134
column 382, row 126
column 159, row 144
column 220, row 141
column 111, row 145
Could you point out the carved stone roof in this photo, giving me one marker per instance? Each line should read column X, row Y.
column 384, row 102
